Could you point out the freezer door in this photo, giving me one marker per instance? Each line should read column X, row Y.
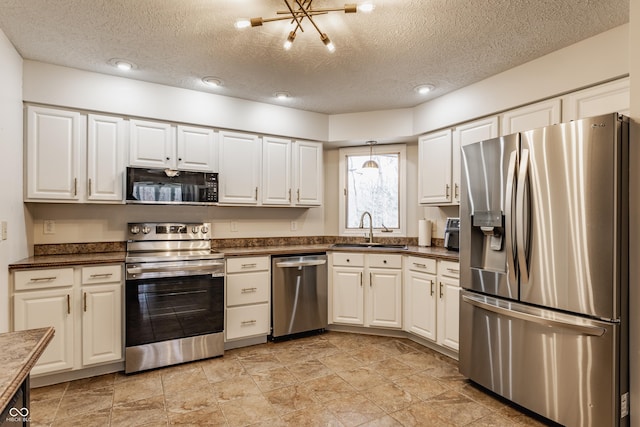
column 487, row 243
column 570, row 216
column 563, row 367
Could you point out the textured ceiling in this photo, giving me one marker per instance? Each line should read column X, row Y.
column 380, row 56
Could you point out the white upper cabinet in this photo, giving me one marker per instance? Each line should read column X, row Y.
column 239, row 167
column 606, row 98
column 276, row 171
column 152, row 144
column 533, row 116
column 434, row 171
column 55, row 141
column 468, row 133
column 106, row 138
column 196, row 149
column 307, row 173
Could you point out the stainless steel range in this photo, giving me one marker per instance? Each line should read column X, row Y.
column 174, row 295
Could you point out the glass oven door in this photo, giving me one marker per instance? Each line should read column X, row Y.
column 162, row 309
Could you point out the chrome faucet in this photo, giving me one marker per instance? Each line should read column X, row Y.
column 370, row 225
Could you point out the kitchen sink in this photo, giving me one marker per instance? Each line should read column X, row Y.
column 368, row 246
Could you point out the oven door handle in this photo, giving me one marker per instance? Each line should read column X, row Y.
column 206, row 269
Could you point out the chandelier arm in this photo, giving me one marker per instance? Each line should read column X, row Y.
column 309, row 17
column 293, row 15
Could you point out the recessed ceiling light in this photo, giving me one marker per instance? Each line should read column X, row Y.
column 424, row 89
column 212, row 81
column 282, row 95
column 122, row 64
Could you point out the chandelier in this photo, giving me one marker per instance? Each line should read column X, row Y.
column 299, row 10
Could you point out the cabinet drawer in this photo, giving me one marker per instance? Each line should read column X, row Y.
column 427, row 265
column 248, row 288
column 40, row 279
column 449, row 269
column 385, row 261
column 247, row 321
column 348, row 259
column 240, row 265
column 101, row 274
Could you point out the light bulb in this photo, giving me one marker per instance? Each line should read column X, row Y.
column 124, row 66
column 366, row 7
column 242, row 23
column 289, row 42
column 328, row 43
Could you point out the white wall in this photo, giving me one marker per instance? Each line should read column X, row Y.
column 634, row 213
column 69, row 87
column 11, row 207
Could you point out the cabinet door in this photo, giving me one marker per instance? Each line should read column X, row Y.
column 385, row 298
column 39, row 309
column 54, row 143
column 196, row 149
column 610, row 97
column 434, row 168
column 469, row 133
column 448, row 310
column 421, row 304
column 239, row 165
column 276, row 171
column 152, row 144
column 348, row 295
column 101, row 323
column 105, row 158
column 308, row 175
column 531, row 117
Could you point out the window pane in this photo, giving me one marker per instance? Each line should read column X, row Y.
column 373, row 190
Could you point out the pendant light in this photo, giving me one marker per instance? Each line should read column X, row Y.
column 370, row 164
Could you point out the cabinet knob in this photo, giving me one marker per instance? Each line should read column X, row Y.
column 179, row 159
column 384, row 261
column 168, row 158
column 348, row 260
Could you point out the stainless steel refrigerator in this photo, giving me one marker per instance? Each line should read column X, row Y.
column 544, row 267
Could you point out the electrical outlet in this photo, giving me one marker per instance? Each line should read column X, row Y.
column 49, row 226
column 294, row 225
column 233, row 225
column 3, row 226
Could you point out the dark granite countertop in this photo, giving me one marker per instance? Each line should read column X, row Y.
column 62, row 260
column 20, row 351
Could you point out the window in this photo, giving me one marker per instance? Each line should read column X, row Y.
column 381, row 192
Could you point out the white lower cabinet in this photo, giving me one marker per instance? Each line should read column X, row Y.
column 431, row 305
column 247, row 297
column 366, row 289
column 83, row 304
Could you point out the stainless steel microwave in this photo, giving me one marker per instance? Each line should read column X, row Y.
column 168, row 186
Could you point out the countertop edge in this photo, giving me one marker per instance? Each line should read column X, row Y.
column 25, row 370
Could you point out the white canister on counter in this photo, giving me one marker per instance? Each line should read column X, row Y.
column 424, row 232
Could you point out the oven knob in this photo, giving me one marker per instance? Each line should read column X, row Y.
column 134, row 229
column 146, row 229
column 194, row 229
column 204, row 229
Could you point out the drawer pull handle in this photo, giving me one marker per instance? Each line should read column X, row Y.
column 254, row 265
column 419, row 265
column 95, row 276
column 43, row 279
column 247, row 290
column 68, row 304
column 248, row 322
column 453, row 270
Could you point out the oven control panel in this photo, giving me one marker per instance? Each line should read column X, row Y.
column 145, row 231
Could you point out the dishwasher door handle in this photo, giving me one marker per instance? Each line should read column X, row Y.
column 310, row 263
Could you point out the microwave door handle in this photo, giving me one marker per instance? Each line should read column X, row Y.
column 522, row 217
column 508, row 217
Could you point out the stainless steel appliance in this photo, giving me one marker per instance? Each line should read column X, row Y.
column 299, row 294
column 544, row 267
column 452, row 234
column 168, row 186
column 174, row 295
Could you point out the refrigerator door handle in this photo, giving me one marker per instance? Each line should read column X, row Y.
column 508, row 217
column 522, row 220
column 581, row 329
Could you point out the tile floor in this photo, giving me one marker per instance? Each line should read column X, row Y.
column 333, row 379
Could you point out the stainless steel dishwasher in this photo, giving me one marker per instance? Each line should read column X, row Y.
column 299, row 294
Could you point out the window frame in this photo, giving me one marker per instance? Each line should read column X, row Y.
column 401, row 151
